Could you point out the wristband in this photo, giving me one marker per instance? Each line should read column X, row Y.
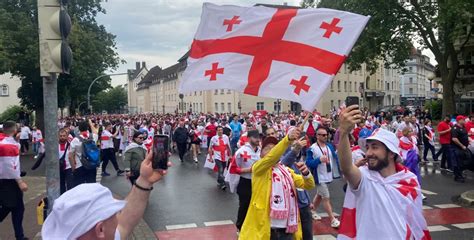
column 142, row 188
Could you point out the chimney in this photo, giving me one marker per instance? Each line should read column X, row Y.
column 143, row 64
column 137, row 66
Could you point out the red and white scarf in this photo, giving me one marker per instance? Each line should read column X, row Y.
column 283, row 203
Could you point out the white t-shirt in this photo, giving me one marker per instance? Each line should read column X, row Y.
column 323, row 175
column 37, row 136
column 76, row 147
column 25, row 132
column 215, row 145
column 62, row 149
column 245, row 157
column 106, row 140
column 377, row 216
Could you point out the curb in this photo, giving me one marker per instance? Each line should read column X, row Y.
column 467, row 198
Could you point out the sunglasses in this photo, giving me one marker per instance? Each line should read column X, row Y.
column 322, row 135
column 140, row 138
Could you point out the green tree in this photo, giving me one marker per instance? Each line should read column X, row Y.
column 94, row 52
column 113, row 100
column 439, row 26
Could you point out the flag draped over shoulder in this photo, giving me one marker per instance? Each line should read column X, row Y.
column 291, row 54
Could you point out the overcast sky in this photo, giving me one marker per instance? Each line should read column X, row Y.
column 158, row 32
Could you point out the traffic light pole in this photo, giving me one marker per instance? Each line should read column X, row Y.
column 50, row 103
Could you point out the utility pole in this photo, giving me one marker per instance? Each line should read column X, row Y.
column 54, row 26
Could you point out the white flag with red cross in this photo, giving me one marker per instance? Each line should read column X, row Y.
column 291, row 54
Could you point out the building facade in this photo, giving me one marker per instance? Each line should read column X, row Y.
column 415, row 85
column 9, row 86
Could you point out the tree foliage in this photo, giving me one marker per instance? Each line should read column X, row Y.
column 10, row 114
column 93, row 48
column 439, row 26
column 111, row 101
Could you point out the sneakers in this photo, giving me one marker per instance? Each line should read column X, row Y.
column 335, row 223
column 120, row 172
column 105, row 174
column 238, row 232
column 223, row 187
column 423, row 197
column 196, row 160
column 315, row 215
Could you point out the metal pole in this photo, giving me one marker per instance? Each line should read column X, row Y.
column 92, row 83
column 50, row 99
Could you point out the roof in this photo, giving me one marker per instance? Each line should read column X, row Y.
column 150, row 76
column 171, row 72
column 184, row 57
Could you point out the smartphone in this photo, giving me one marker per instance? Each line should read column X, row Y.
column 160, row 152
column 303, row 134
column 352, row 101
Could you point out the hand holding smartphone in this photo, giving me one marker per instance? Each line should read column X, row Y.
column 352, row 101
column 160, row 152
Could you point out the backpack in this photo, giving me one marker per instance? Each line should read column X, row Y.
column 90, row 157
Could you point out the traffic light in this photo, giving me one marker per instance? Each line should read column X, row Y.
column 54, row 26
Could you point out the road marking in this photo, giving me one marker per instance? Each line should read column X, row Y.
column 323, row 237
column 449, row 205
column 464, row 225
column 218, row 223
column 427, row 207
column 426, row 192
column 181, row 226
column 437, row 228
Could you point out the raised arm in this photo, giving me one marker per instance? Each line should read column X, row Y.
column 273, row 157
column 347, row 119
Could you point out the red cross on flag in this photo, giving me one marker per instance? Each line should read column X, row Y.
column 291, row 54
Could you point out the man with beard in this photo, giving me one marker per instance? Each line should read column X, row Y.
column 383, row 199
column 135, row 153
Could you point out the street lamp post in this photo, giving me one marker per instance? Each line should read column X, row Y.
column 431, row 77
column 92, row 83
column 181, row 96
column 278, row 107
column 80, row 104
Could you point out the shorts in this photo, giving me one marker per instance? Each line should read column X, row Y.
column 322, row 190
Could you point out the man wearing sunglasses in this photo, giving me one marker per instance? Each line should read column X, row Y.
column 322, row 160
column 134, row 155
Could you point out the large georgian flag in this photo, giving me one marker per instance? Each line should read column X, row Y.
column 290, row 54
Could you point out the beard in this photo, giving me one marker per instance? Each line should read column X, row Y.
column 379, row 164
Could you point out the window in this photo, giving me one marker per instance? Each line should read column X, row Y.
column 229, row 107
column 222, row 91
column 388, row 86
column 200, row 107
column 410, row 91
column 350, row 86
column 216, row 106
column 411, row 80
column 277, row 106
column 4, row 90
column 195, row 93
column 338, row 86
column 216, row 92
column 410, row 69
column 200, row 93
column 332, row 103
column 229, row 91
column 332, row 86
column 345, row 86
column 345, row 69
column 222, row 107
column 260, row 106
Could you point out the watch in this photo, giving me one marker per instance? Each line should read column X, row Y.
column 143, row 188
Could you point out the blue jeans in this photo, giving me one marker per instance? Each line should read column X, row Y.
column 36, row 146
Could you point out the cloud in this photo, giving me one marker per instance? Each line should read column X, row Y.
column 157, row 31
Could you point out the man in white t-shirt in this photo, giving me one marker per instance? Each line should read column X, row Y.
column 25, row 134
column 80, row 173
column 321, row 159
column 220, row 150
column 383, row 199
column 65, row 172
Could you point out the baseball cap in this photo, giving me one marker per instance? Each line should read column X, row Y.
column 269, row 140
column 460, row 117
column 389, row 139
column 78, row 210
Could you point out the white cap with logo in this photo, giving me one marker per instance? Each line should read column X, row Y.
column 78, row 210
